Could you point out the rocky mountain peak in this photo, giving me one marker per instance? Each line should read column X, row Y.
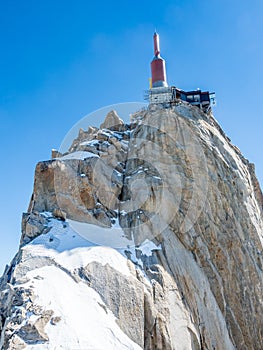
column 145, row 235
column 112, row 121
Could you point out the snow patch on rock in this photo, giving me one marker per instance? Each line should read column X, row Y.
column 78, row 155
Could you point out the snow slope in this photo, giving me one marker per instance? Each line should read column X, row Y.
column 85, row 322
column 79, row 308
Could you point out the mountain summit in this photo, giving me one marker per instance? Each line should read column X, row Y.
column 145, row 235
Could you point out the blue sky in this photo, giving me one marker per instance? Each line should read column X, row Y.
column 61, row 60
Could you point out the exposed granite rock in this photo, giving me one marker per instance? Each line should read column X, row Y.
column 16, row 343
column 33, row 225
column 113, row 287
column 171, row 178
column 18, row 330
column 256, row 186
column 33, row 333
column 112, row 121
column 55, row 154
column 211, row 220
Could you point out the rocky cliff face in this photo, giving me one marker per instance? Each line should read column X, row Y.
column 142, row 236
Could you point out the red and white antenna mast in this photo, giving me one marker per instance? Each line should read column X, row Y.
column 158, row 65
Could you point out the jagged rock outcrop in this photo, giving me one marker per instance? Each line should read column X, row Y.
column 179, row 212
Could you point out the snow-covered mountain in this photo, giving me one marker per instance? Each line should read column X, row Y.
column 145, row 235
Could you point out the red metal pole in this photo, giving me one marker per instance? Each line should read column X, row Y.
column 158, row 65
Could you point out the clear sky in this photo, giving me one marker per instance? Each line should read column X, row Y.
column 61, row 60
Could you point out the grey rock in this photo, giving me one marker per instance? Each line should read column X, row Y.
column 112, row 121
column 171, row 177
